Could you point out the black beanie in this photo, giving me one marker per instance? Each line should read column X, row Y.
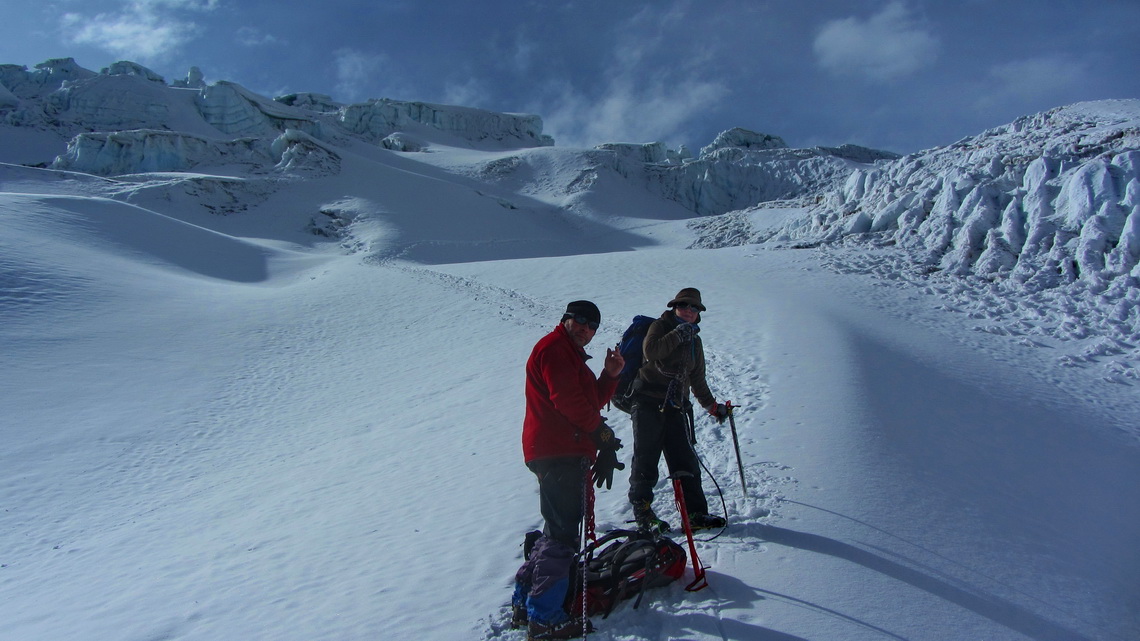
column 584, row 308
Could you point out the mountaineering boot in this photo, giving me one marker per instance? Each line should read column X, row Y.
column 646, row 518
column 568, row 629
column 519, row 616
column 706, row 521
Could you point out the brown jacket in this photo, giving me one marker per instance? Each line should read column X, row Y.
column 668, row 357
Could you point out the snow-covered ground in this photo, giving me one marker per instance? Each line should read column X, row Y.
column 286, row 404
column 277, row 444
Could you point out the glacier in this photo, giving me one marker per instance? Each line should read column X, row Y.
column 62, row 96
column 938, row 343
column 1050, row 200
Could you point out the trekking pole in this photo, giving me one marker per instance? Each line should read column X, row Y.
column 736, row 444
column 699, row 581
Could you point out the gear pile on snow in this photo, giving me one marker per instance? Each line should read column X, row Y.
column 621, row 565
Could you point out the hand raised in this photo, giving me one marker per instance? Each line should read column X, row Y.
column 614, row 362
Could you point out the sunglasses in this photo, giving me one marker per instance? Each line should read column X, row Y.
column 582, row 320
column 695, row 308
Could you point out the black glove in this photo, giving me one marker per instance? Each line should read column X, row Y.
column 719, row 411
column 607, row 462
column 604, row 437
column 604, row 467
column 687, row 331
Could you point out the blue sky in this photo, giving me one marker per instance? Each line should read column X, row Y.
column 902, row 75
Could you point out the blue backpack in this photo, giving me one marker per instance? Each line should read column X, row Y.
column 630, row 349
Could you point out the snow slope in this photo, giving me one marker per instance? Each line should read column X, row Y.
column 284, row 402
column 201, row 456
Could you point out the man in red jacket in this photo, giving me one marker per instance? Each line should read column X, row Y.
column 564, row 434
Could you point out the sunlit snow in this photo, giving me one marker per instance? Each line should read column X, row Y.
column 263, row 367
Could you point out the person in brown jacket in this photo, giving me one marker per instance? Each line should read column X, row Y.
column 673, row 366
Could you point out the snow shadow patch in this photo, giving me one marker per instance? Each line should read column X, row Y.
column 127, row 232
column 994, row 608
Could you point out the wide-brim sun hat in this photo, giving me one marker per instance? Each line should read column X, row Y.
column 690, row 295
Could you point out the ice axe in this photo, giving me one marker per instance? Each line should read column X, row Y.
column 736, row 444
column 699, row 581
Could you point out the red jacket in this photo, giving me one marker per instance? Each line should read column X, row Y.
column 563, row 399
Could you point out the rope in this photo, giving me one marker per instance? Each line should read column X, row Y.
column 588, row 536
column 723, row 506
column 588, row 511
column 693, row 446
column 671, row 394
column 680, row 378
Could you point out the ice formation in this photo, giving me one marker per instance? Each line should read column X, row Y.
column 62, row 96
column 1046, row 201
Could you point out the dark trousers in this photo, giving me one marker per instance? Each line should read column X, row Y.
column 542, row 582
column 561, row 482
column 657, row 432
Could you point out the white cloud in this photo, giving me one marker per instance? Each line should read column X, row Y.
column 642, row 99
column 523, row 54
column 889, row 45
column 142, row 30
column 354, row 71
column 629, row 112
column 469, row 93
column 140, row 37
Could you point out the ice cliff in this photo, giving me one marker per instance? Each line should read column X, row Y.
column 61, row 96
column 739, row 169
column 1046, row 200
column 1049, row 200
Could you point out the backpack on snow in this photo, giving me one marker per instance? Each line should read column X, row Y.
column 630, row 348
column 621, row 565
